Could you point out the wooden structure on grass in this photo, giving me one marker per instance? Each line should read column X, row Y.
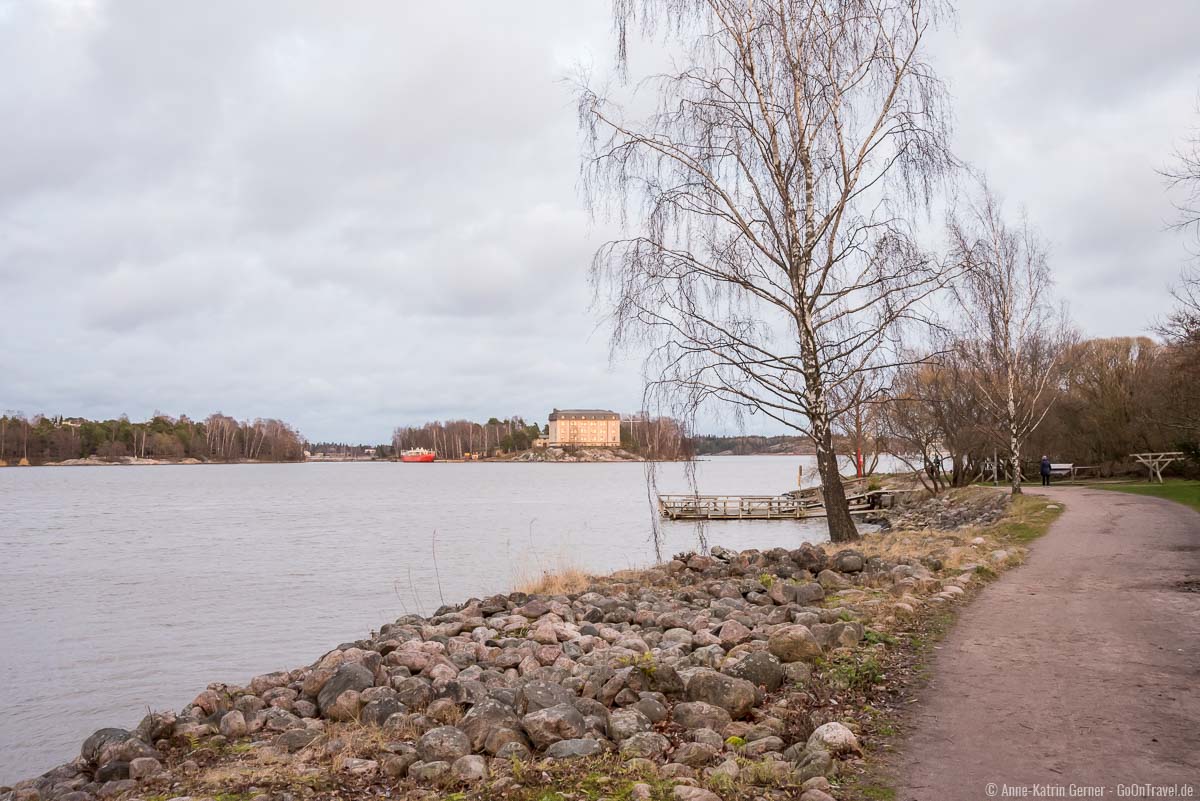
column 1155, row 462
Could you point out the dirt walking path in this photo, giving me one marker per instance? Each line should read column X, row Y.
column 1082, row 667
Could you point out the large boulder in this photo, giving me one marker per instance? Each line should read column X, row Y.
column 349, row 676
column 849, row 561
column 759, row 668
column 834, row 738
column 469, row 769
column 645, row 745
column 624, row 723
column 443, row 744
column 736, row 696
column 794, row 643
column 487, row 717
column 536, row 695
column 99, row 741
column 574, row 749
column 808, row 592
column 547, row 726
column 700, row 715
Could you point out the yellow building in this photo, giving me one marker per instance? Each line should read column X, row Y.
column 588, row 427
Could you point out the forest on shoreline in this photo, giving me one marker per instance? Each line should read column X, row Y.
column 217, row 438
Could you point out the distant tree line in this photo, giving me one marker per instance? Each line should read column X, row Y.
column 344, row 450
column 656, row 438
column 40, row 439
column 452, row 439
column 650, row 437
column 707, row 445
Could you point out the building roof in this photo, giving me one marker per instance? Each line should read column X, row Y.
column 585, row 414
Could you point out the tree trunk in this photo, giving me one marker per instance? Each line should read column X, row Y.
column 837, row 510
column 1014, row 442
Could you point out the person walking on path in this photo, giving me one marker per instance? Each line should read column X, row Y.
column 1045, row 471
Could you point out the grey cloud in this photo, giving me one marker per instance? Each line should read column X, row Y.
column 353, row 218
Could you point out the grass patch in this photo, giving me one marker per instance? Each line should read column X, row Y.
column 1185, row 492
column 1029, row 517
column 855, row 671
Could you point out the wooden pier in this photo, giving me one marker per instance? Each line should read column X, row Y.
column 797, row 505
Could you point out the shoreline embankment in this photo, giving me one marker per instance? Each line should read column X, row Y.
column 720, row 673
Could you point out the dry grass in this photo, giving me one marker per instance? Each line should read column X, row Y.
column 1025, row 519
column 559, row 582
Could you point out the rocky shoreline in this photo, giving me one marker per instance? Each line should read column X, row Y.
column 690, row 681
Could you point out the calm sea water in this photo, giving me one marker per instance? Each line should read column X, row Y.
column 128, row 588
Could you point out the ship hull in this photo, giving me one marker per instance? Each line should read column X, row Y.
column 418, row 457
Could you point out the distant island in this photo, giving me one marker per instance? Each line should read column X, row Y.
column 569, row 435
column 75, row 440
column 709, row 445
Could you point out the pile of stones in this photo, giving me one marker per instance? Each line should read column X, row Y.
column 947, row 512
column 687, row 667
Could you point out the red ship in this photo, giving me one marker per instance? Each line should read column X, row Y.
column 417, row 455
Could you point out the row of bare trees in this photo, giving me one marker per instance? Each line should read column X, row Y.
column 452, row 439
column 218, row 437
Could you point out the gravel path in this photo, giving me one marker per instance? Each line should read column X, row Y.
column 1081, row 667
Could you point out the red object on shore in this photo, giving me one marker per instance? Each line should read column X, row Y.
column 417, row 455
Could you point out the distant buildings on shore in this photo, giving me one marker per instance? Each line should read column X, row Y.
column 596, row 428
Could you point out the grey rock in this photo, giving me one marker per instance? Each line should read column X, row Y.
column 377, row 712
column 849, row 561
column 646, row 745
column 348, row 676
column 695, row 755
column 144, row 768
column 759, row 668
column 360, row 767
column 700, row 715
column 762, row 746
column 537, row 695
column 430, row 774
column 396, row 765
column 443, row 744
column 624, row 723
column 835, row 738
column 295, row 739
column 99, row 740
column 652, row 708
column 470, row 769
column 513, row 750
column 548, row 726
column 484, row 718
column 233, row 725
column 794, row 643
column 414, row 692
column 572, row 749
column 734, row 695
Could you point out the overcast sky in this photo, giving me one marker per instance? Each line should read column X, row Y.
column 353, row 217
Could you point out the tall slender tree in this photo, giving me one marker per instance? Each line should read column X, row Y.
column 1014, row 337
column 769, row 257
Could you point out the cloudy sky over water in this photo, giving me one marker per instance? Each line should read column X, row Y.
column 357, row 220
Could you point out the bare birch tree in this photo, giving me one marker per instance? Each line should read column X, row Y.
column 769, row 257
column 1014, row 337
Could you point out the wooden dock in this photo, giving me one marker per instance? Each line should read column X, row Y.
column 796, row 505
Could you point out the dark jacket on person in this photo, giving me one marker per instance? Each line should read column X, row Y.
column 1045, row 466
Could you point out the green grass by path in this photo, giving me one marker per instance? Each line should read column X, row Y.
column 1185, row 492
